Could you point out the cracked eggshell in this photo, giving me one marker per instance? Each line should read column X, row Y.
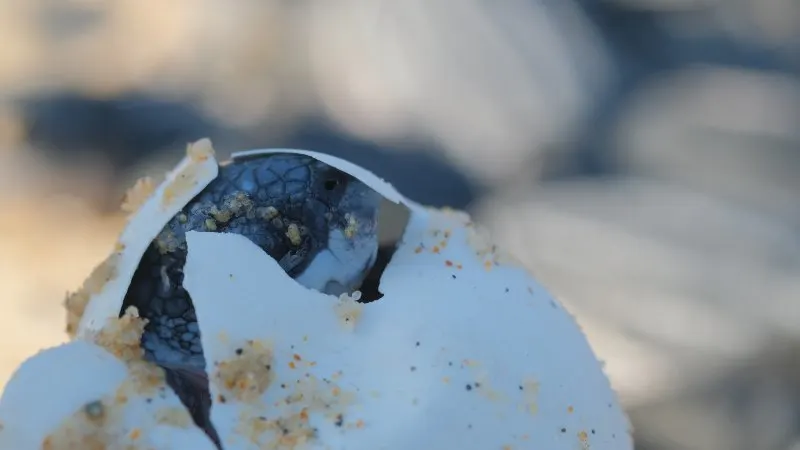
column 192, row 175
column 464, row 350
column 78, row 396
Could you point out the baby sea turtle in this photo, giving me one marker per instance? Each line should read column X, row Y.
column 318, row 222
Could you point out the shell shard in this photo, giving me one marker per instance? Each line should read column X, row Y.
column 182, row 184
column 453, row 356
column 97, row 402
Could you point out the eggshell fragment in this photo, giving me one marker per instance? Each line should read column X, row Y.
column 78, row 396
column 182, row 184
column 453, row 356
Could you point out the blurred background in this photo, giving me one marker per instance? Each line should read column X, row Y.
column 641, row 157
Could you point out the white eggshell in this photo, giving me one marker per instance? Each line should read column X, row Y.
column 192, row 175
column 463, row 351
column 49, row 391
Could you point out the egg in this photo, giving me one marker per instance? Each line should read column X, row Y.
column 463, row 350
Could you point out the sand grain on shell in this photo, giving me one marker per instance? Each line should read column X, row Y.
column 247, row 374
column 184, row 180
column 76, row 302
column 122, row 337
column 138, row 194
column 349, row 310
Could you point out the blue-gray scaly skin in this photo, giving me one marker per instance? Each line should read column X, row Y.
column 292, row 206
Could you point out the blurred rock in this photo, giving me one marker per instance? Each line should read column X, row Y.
column 772, row 25
column 489, row 85
column 111, row 143
column 753, row 406
column 124, row 130
column 698, row 281
column 723, row 131
column 492, row 85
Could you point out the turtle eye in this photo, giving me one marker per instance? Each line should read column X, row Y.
column 331, row 184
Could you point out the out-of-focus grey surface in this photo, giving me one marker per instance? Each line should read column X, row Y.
column 640, row 156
